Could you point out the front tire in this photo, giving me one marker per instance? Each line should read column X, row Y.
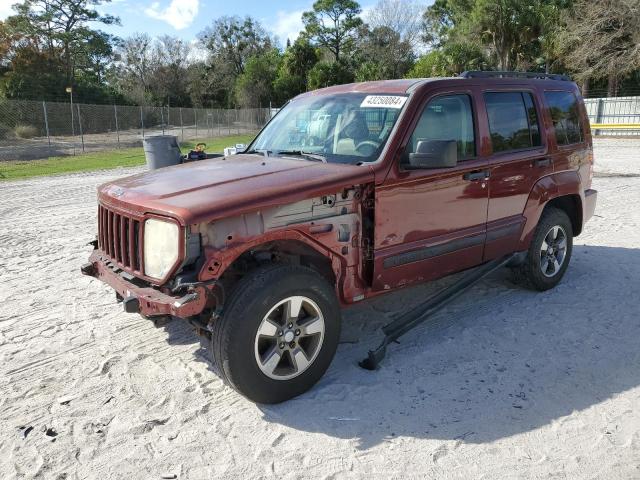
column 549, row 253
column 278, row 333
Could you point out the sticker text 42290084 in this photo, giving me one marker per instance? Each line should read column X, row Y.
column 383, row 101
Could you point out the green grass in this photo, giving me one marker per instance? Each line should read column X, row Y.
column 126, row 157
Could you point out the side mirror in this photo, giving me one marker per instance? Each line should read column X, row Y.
column 434, row 154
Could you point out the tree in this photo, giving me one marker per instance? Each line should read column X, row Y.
column 94, row 56
column 298, row 60
column 133, row 73
column 450, row 60
column 170, row 79
column 234, row 40
column 603, row 41
column 325, row 74
column 506, row 26
column 49, row 45
column 513, row 32
column 198, row 85
column 333, row 24
column 153, row 71
column 383, row 54
column 546, row 45
column 7, row 39
column 440, row 19
column 32, row 74
column 230, row 42
column 300, row 57
column 254, row 87
column 62, row 25
column 399, row 16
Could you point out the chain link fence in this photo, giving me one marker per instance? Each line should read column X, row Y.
column 32, row 129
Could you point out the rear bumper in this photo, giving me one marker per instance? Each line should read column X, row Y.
column 590, row 198
column 147, row 300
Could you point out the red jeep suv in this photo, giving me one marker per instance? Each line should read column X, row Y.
column 349, row 192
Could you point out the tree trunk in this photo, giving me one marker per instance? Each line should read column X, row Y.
column 503, row 55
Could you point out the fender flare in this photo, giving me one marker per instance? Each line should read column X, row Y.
column 548, row 188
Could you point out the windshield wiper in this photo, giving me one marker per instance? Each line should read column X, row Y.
column 301, row 153
column 266, row 153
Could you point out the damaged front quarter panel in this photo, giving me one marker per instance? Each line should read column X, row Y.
column 330, row 225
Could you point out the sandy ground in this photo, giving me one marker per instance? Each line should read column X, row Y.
column 505, row 383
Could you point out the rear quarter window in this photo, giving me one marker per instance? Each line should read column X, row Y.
column 565, row 114
column 513, row 121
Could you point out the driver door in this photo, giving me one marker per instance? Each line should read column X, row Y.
column 430, row 222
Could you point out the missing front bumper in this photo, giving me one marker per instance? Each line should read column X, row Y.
column 149, row 301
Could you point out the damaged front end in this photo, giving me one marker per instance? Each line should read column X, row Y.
column 126, row 258
column 181, row 233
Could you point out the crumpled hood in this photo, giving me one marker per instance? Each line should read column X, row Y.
column 216, row 188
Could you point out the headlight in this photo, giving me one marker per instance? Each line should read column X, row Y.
column 161, row 244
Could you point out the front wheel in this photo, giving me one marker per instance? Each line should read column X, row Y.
column 549, row 253
column 278, row 333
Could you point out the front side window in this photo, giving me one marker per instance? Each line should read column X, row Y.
column 344, row 128
column 448, row 118
column 563, row 107
column 513, row 121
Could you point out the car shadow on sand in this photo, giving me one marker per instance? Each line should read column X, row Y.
column 498, row 361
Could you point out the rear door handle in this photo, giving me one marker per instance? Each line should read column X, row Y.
column 542, row 162
column 476, row 175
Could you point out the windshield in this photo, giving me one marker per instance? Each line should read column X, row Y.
column 346, row 128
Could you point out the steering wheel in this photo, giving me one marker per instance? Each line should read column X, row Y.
column 366, row 148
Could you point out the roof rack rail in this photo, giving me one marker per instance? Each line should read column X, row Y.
column 503, row 74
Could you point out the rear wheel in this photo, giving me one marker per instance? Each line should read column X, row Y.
column 549, row 253
column 278, row 333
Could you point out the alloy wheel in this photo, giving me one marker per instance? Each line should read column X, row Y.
column 289, row 338
column 553, row 251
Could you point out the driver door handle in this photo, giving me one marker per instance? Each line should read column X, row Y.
column 476, row 175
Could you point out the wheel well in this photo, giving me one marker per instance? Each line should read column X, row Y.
column 572, row 206
column 290, row 252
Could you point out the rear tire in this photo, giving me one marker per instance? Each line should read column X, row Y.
column 549, row 253
column 278, row 333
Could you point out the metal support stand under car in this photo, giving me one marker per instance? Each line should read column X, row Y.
column 421, row 312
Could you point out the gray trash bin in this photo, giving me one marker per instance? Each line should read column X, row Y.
column 161, row 151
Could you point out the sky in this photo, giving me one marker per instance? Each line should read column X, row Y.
column 185, row 18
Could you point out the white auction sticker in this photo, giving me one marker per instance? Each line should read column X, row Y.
column 383, row 101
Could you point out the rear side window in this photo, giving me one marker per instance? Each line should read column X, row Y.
column 563, row 107
column 513, row 121
column 446, row 118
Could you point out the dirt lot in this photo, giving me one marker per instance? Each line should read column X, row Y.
column 505, row 383
column 60, row 146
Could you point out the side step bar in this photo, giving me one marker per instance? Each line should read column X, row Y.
column 423, row 311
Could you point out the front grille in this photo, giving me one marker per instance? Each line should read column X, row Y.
column 119, row 237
